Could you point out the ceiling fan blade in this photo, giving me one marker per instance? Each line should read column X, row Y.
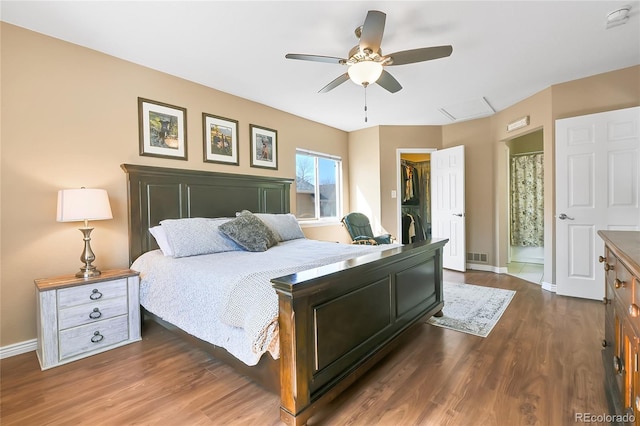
column 335, row 83
column 388, row 82
column 372, row 31
column 420, row 55
column 315, row 58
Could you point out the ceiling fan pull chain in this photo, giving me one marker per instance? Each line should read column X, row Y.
column 365, row 103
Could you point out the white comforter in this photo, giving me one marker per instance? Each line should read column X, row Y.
column 226, row 298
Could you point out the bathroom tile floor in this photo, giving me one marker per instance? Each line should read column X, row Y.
column 532, row 272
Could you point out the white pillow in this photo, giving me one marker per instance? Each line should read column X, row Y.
column 285, row 225
column 161, row 238
column 195, row 236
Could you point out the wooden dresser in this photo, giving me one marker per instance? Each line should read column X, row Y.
column 621, row 344
column 79, row 317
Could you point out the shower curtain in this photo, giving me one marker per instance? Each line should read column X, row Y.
column 527, row 207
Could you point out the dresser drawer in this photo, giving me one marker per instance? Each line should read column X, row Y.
column 87, row 338
column 92, row 312
column 91, row 293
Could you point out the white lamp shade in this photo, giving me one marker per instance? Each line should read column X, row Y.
column 76, row 205
column 365, row 72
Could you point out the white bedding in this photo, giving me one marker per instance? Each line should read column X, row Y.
column 193, row 292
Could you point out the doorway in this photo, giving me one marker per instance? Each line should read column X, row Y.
column 525, row 177
column 413, row 194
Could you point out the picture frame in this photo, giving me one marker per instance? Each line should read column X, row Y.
column 162, row 129
column 220, row 139
column 264, row 147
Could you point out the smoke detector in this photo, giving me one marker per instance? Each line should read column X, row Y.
column 618, row 17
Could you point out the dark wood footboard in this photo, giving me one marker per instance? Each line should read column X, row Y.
column 338, row 320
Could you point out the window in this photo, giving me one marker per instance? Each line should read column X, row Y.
column 318, row 185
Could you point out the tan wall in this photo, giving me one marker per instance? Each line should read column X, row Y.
column 480, row 185
column 364, row 163
column 603, row 92
column 69, row 119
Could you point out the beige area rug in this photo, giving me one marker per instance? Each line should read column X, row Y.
column 471, row 308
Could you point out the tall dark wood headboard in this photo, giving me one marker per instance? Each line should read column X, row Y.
column 158, row 193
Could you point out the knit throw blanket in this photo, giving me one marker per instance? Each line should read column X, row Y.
column 252, row 303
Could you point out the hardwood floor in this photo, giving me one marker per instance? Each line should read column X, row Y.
column 539, row 366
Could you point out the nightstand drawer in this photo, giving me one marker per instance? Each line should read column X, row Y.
column 88, row 338
column 92, row 312
column 91, row 293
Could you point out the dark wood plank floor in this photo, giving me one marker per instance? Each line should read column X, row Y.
column 539, row 366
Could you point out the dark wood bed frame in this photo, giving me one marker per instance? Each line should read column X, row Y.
column 335, row 322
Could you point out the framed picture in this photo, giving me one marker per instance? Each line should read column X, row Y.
column 220, row 136
column 162, row 129
column 264, row 147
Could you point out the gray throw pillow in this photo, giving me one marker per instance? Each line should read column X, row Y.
column 250, row 232
column 195, row 236
column 285, row 225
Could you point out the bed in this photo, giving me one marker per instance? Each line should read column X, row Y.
column 335, row 318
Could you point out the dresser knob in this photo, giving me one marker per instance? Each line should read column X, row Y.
column 95, row 314
column 605, row 300
column 604, row 343
column 617, row 283
column 608, row 267
column 634, row 310
column 601, row 259
column 97, row 337
column 95, row 294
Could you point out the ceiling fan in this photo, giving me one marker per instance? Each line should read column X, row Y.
column 366, row 60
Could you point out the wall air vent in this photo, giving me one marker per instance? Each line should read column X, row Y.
column 477, row 257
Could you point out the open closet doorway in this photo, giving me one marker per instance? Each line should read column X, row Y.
column 525, row 176
column 413, row 194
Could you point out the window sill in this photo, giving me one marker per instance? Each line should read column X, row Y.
column 318, row 223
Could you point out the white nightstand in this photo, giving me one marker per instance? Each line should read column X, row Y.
column 79, row 317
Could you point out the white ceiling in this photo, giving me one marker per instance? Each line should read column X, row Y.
column 503, row 51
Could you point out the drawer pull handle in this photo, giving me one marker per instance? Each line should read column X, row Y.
column 604, row 343
column 634, row 310
column 95, row 314
column 617, row 283
column 617, row 364
column 607, row 267
column 97, row 337
column 95, row 294
column 605, row 300
column 601, row 259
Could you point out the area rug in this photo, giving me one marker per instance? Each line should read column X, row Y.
column 472, row 309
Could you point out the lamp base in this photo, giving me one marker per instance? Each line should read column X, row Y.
column 88, row 270
column 88, row 273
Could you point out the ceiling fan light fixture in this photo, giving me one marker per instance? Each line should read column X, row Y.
column 364, row 73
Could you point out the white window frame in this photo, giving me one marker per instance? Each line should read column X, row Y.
column 316, row 155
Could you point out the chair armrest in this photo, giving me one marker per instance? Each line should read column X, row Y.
column 383, row 239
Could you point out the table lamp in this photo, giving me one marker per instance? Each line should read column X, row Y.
column 84, row 204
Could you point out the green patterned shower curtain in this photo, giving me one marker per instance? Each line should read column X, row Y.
column 527, row 206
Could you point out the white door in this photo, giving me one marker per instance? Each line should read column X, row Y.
column 447, row 204
column 597, row 188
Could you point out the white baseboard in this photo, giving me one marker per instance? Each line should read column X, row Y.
column 548, row 286
column 487, row 268
column 18, row 348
